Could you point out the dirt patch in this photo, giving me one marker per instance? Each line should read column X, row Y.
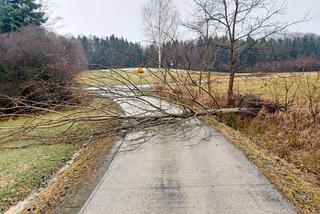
column 3, row 182
column 69, row 192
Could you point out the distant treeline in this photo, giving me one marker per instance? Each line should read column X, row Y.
column 111, row 52
column 284, row 54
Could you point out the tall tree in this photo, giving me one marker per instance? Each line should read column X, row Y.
column 15, row 14
column 241, row 19
column 161, row 21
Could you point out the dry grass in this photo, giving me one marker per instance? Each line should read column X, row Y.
column 292, row 137
column 299, row 187
column 114, row 77
column 150, row 76
column 284, row 144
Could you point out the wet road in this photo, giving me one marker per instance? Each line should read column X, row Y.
column 189, row 168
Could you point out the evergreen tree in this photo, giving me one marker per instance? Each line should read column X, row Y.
column 112, row 52
column 15, row 14
column 281, row 54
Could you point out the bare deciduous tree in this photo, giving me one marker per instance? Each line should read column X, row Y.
column 161, row 22
column 205, row 28
column 242, row 19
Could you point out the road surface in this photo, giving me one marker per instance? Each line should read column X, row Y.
column 189, row 168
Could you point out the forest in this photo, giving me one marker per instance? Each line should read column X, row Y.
column 291, row 53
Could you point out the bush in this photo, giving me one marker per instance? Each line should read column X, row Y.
column 38, row 66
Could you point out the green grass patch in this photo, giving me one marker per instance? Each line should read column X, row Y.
column 35, row 147
column 24, row 170
column 26, row 163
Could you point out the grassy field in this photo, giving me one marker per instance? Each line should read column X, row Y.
column 131, row 76
column 40, row 146
column 116, row 77
column 272, row 86
column 24, row 169
column 75, row 185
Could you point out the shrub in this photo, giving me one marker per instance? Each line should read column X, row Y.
column 38, row 66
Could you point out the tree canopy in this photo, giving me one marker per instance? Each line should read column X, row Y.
column 15, row 14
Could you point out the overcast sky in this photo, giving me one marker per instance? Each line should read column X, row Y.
column 123, row 17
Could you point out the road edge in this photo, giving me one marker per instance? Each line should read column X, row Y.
column 285, row 177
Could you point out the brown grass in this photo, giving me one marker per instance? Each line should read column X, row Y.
column 292, row 136
column 284, row 144
column 299, row 187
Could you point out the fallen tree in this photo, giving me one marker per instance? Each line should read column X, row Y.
column 151, row 109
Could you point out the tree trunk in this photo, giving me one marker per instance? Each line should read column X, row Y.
column 159, row 56
column 165, row 77
column 200, row 83
column 209, row 82
column 230, row 87
column 232, row 75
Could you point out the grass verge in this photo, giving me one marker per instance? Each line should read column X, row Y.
column 36, row 154
column 26, row 165
column 71, row 189
column 299, row 187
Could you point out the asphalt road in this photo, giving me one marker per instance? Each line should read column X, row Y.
column 189, row 168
